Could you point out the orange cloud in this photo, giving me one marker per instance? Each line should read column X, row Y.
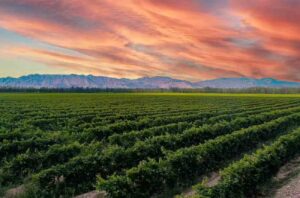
column 192, row 40
column 276, row 24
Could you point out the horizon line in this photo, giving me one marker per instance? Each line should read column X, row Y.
column 161, row 76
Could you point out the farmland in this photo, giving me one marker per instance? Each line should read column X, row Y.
column 145, row 144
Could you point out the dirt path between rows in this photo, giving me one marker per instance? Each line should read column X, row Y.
column 93, row 194
column 286, row 184
column 211, row 180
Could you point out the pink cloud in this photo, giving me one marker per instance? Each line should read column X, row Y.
column 185, row 39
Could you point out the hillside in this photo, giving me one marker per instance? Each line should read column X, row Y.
column 90, row 81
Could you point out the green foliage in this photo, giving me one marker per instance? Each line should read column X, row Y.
column 188, row 163
column 131, row 145
column 243, row 178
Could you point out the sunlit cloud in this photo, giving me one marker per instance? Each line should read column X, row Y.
column 193, row 40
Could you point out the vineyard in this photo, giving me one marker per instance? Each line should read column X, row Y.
column 144, row 144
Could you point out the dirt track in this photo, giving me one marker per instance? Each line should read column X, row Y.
column 287, row 181
column 290, row 189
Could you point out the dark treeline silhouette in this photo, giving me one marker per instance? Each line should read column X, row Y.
column 262, row 90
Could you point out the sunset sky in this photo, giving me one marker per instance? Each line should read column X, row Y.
column 184, row 39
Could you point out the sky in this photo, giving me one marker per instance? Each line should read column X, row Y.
column 185, row 39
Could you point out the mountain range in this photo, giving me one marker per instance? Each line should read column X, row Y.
column 90, row 81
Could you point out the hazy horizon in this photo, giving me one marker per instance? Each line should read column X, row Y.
column 135, row 78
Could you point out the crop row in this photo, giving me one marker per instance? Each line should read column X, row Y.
column 41, row 135
column 29, row 131
column 127, row 139
column 66, row 120
column 244, row 178
column 151, row 147
column 113, row 158
column 152, row 177
column 27, row 163
column 32, row 162
column 121, row 127
column 10, row 149
column 51, row 112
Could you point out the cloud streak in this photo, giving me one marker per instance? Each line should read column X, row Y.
column 193, row 40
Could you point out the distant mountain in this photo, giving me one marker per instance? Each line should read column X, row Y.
column 90, row 81
column 246, row 83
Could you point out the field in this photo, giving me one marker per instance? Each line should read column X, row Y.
column 145, row 145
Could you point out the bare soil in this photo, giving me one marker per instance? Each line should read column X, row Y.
column 286, row 184
column 14, row 192
column 93, row 194
column 211, row 181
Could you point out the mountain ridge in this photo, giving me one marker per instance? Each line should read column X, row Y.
column 103, row 82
